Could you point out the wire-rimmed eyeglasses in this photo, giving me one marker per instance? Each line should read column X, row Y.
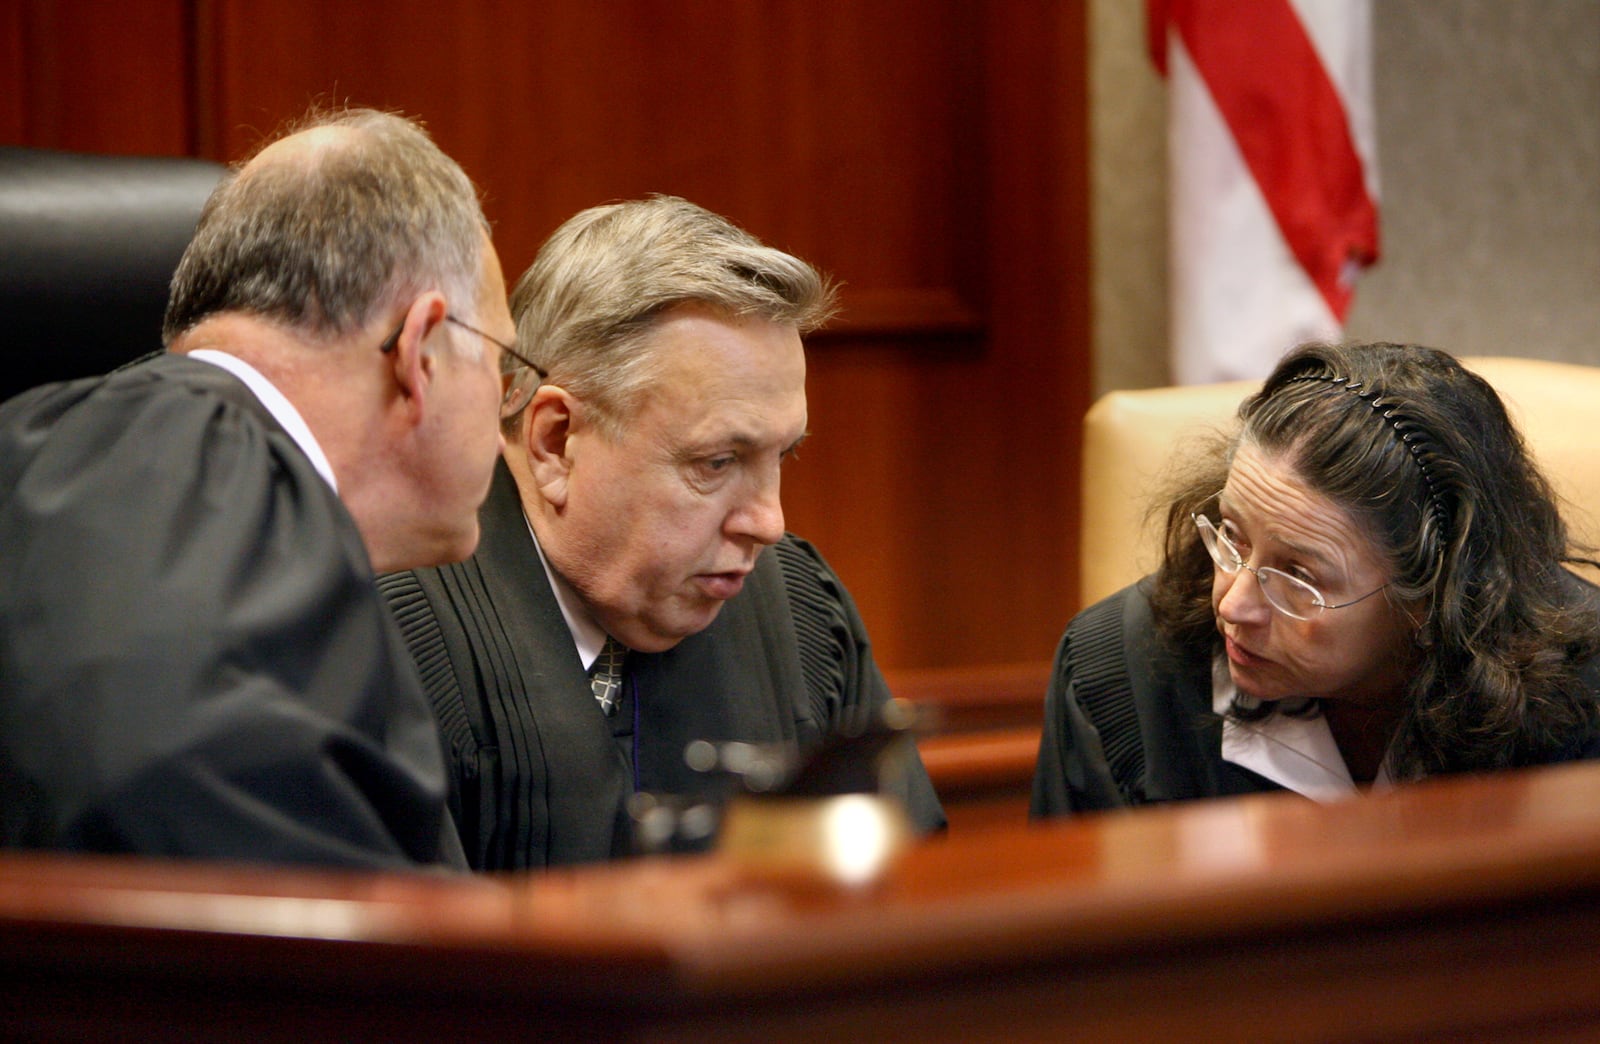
column 519, row 392
column 1288, row 594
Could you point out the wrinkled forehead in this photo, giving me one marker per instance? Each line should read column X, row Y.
column 749, row 373
column 1268, row 497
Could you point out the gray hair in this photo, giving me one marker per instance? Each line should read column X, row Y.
column 587, row 304
column 327, row 235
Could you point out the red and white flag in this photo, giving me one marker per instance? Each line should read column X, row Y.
column 1272, row 171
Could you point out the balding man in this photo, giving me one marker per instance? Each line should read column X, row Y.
column 193, row 658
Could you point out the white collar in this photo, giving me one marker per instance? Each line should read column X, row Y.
column 277, row 404
column 1297, row 753
column 587, row 635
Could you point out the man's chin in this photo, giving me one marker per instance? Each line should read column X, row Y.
column 666, row 634
column 441, row 548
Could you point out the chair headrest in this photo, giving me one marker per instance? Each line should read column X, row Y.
column 88, row 244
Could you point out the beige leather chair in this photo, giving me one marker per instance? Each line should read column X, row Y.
column 1130, row 436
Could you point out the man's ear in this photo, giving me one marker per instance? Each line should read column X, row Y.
column 548, row 423
column 413, row 364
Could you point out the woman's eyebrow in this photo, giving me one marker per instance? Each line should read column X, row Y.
column 1306, row 551
column 1319, row 558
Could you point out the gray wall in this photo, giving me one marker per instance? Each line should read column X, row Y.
column 1489, row 168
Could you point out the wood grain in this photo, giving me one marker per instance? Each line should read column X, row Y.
column 1462, row 908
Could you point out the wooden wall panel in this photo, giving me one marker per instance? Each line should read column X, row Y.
column 809, row 132
column 97, row 77
column 961, row 452
column 928, row 153
column 12, row 78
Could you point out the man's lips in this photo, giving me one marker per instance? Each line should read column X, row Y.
column 722, row 586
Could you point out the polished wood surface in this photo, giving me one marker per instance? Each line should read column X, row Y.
column 979, row 737
column 975, row 699
column 1464, row 909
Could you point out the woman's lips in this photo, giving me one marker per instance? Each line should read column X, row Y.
column 1238, row 654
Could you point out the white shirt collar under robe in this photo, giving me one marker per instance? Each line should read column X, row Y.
column 277, row 404
column 1293, row 752
column 587, row 635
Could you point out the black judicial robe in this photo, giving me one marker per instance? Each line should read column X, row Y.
column 1128, row 721
column 539, row 777
column 194, row 660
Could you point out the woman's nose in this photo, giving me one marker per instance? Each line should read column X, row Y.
column 1239, row 598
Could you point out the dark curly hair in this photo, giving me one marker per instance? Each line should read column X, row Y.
column 1420, row 451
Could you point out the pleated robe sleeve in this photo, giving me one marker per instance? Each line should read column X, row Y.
column 1128, row 721
column 535, row 776
column 843, row 684
column 1090, row 750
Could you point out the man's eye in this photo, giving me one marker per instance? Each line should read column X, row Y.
column 718, row 464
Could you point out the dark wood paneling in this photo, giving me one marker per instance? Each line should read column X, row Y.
column 942, row 478
column 970, row 699
column 13, row 80
column 930, row 154
column 979, row 737
column 97, row 77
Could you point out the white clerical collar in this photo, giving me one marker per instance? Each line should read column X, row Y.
column 1293, row 752
column 277, row 404
column 587, row 635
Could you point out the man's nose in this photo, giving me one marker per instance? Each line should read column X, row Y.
column 760, row 516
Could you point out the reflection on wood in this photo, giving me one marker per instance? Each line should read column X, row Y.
column 980, row 737
column 1462, row 908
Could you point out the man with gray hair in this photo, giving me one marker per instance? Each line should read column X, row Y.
column 635, row 590
column 194, row 660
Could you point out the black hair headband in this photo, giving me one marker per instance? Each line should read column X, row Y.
column 1403, row 430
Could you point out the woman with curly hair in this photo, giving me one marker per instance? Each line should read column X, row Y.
column 1364, row 585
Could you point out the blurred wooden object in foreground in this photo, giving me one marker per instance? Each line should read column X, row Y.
column 1458, row 909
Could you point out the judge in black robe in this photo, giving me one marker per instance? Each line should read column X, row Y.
column 193, row 658
column 540, row 776
column 1129, row 720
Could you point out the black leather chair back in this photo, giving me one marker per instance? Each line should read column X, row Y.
column 88, row 244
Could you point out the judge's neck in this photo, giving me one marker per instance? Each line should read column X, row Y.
column 337, row 389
